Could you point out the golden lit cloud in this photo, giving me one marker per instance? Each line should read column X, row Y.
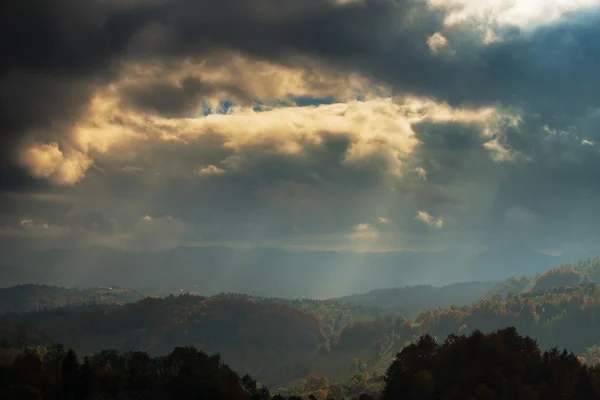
column 421, row 173
column 233, row 77
column 210, row 170
column 374, row 126
column 50, row 162
column 427, row 219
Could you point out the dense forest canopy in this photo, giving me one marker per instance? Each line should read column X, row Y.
column 497, row 365
column 409, row 300
column 500, row 364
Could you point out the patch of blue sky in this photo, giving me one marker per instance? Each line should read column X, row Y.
column 306, row 101
column 259, row 106
column 223, row 108
column 294, row 101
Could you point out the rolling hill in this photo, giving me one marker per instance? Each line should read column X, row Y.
column 411, row 300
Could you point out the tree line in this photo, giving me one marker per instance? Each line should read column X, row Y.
column 499, row 365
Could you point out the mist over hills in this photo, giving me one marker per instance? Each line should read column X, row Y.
column 267, row 271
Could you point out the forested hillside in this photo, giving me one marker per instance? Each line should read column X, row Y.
column 258, row 338
column 282, row 345
column 301, row 343
column 17, row 333
column 582, row 272
column 405, row 301
column 563, row 317
column 411, row 300
column 24, row 298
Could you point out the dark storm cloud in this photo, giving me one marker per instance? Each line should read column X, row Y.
column 56, row 53
column 559, row 183
column 321, row 162
column 180, row 101
column 261, row 190
column 549, row 70
column 16, row 178
column 548, row 196
column 452, row 145
column 53, row 54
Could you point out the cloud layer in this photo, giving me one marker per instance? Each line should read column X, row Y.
column 370, row 124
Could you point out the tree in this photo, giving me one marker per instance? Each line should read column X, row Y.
column 70, row 375
column 400, row 377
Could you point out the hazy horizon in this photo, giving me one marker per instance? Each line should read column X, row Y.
column 270, row 271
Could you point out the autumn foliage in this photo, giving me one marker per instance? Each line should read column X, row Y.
column 557, row 277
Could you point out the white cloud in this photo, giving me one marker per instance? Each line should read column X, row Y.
column 383, row 220
column 27, row 223
column 210, row 170
column 363, row 232
column 526, row 14
column 346, row 2
column 499, row 152
column 421, row 173
column 132, row 169
column 491, row 37
column 427, row 219
column 28, row 228
column 438, row 44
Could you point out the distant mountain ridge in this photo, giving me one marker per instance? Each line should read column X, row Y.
column 265, row 271
column 413, row 299
column 29, row 297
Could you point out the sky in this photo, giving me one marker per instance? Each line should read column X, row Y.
column 369, row 125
